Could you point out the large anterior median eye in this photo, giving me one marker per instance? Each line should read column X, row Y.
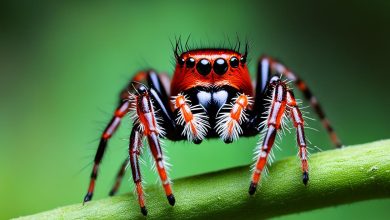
column 220, row 66
column 203, row 67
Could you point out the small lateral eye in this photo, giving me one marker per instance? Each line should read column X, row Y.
column 180, row 61
column 243, row 60
column 203, row 67
column 190, row 63
column 234, row 62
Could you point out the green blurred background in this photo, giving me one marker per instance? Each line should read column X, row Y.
column 62, row 66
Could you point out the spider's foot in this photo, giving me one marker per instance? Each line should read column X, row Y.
column 87, row 197
column 112, row 193
column 305, row 178
column 252, row 188
column 171, row 200
column 144, row 211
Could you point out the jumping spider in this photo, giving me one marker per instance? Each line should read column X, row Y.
column 211, row 96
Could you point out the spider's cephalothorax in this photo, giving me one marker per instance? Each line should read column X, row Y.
column 212, row 93
column 211, row 96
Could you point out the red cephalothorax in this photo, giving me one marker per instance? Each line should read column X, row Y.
column 211, row 96
column 211, row 67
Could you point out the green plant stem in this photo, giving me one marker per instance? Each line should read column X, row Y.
column 338, row 176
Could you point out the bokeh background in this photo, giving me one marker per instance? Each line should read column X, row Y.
column 62, row 66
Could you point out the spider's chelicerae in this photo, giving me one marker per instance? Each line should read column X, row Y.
column 211, row 95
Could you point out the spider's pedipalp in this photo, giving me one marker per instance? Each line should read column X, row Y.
column 193, row 118
column 228, row 124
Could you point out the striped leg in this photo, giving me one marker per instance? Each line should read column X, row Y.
column 108, row 132
column 269, row 65
column 157, row 153
column 276, row 112
column 157, row 89
column 134, row 151
column 147, row 123
column 119, row 177
column 228, row 123
column 298, row 122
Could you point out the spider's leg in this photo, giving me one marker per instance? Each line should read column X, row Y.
column 158, row 86
column 108, row 132
column 135, row 145
column 277, row 109
column 158, row 91
column 269, row 65
column 119, row 177
column 298, row 121
column 159, row 82
column 150, row 128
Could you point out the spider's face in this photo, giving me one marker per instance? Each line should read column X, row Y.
column 211, row 67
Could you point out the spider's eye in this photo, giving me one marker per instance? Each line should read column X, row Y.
column 180, row 61
column 243, row 60
column 234, row 62
column 220, row 66
column 190, row 62
column 203, row 67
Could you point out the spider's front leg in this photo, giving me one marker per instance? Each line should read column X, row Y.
column 146, row 125
column 282, row 100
